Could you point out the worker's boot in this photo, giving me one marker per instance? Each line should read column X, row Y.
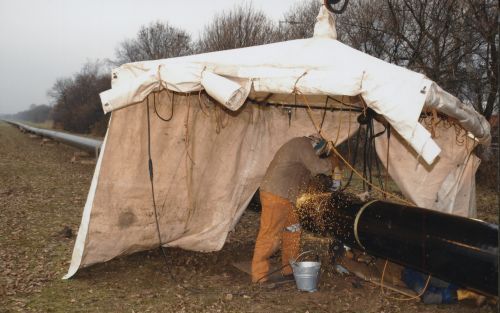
column 291, row 241
column 464, row 294
column 272, row 220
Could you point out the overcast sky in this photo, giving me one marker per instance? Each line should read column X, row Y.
column 42, row 40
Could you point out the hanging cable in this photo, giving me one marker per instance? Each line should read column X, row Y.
column 373, row 153
column 324, row 113
column 366, row 161
column 151, row 178
column 171, row 110
column 387, row 159
column 354, row 159
column 155, row 211
column 371, row 163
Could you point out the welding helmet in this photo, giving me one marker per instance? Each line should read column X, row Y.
column 322, row 148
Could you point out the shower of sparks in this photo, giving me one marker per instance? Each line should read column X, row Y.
column 326, row 213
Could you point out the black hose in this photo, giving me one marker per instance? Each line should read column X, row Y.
column 150, row 168
column 171, row 109
column 374, row 152
column 354, row 159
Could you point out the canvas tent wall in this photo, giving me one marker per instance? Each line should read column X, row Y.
column 210, row 156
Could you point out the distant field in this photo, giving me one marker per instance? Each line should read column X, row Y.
column 42, row 192
column 47, row 124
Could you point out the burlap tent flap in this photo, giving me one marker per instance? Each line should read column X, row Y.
column 208, row 162
column 447, row 185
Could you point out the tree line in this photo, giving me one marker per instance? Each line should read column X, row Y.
column 37, row 113
column 453, row 42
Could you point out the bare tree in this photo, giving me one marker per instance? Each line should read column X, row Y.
column 481, row 26
column 156, row 41
column 450, row 41
column 243, row 26
column 77, row 106
column 36, row 113
column 361, row 27
column 298, row 22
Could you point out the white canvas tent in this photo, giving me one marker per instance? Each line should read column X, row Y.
column 211, row 154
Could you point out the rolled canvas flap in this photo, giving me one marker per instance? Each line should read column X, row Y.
column 129, row 92
column 228, row 92
column 423, row 144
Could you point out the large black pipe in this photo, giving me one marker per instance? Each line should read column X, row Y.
column 460, row 250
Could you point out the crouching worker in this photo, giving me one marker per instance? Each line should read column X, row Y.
column 289, row 172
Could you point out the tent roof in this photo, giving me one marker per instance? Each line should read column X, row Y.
column 316, row 66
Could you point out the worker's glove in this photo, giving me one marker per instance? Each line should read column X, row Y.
column 293, row 228
column 336, row 185
column 336, row 179
column 326, row 183
column 365, row 196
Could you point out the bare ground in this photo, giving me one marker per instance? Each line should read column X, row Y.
column 41, row 192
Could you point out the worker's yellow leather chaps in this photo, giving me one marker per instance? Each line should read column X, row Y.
column 277, row 213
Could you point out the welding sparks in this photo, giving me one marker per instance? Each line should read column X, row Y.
column 324, row 213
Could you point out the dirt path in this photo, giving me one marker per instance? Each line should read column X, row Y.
column 41, row 192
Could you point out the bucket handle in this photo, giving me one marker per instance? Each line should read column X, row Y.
column 299, row 256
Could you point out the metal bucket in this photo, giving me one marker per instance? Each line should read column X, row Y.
column 306, row 275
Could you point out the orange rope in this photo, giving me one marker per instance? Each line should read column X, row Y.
column 434, row 122
column 221, row 122
column 186, row 125
column 338, row 129
column 309, row 112
column 201, row 104
column 410, row 297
